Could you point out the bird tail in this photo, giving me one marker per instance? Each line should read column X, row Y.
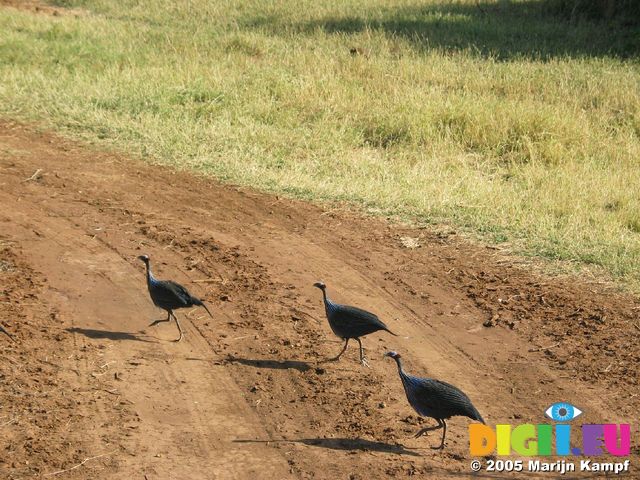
column 200, row 303
column 6, row 333
column 387, row 330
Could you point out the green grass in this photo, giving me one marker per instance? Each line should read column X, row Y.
column 503, row 121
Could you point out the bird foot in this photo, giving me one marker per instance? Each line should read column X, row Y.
column 439, row 447
column 364, row 363
column 425, row 431
column 156, row 322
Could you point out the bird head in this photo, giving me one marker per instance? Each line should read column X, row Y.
column 394, row 355
column 320, row 285
column 144, row 258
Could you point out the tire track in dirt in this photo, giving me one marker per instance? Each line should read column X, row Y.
column 98, row 291
column 247, row 394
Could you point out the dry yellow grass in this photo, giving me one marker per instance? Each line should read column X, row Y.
column 503, row 121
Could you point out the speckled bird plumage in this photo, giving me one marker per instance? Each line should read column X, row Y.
column 349, row 322
column 169, row 296
column 435, row 399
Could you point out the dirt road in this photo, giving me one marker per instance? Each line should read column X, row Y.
column 88, row 384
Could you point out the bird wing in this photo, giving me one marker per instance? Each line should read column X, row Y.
column 440, row 399
column 356, row 321
column 170, row 293
column 180, row 292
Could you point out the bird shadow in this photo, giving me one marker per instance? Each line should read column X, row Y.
column 107, row 334
column 273, row 364
column 346, row 444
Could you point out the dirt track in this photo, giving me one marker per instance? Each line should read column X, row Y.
column 246, row 395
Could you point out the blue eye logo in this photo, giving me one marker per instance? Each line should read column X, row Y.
column 562, row 412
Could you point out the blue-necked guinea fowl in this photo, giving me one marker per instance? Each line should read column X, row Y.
column 350, row 322
column 169, row 296
column 435, row 399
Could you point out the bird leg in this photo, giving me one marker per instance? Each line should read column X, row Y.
column 428, row 429
column 179, row 327
column 6, row 333
column 444, row 433
column 156, row 322
column 363, row 360
column 341, row 352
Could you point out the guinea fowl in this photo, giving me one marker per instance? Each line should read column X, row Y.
column 350, row 322
column 169, row 296
column 435, row 399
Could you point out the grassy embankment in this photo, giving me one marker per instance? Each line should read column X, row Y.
column 500, row 120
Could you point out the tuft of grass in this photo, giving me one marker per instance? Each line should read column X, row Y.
column 492, row 116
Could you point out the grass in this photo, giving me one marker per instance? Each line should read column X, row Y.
column 501, row 120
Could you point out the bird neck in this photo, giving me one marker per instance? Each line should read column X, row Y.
column 150, row 277
column 328, row 304
column 324, row 295
column 408, row 381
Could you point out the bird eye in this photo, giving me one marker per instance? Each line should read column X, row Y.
column 562, row 412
